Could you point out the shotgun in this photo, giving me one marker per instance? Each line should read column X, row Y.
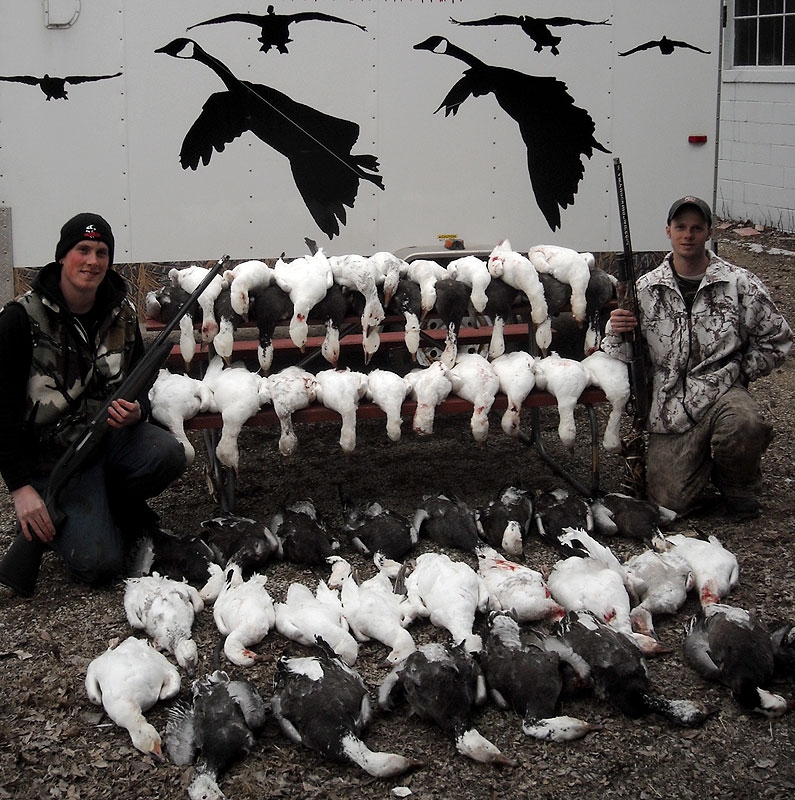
column 634, row 449
column 20, row 567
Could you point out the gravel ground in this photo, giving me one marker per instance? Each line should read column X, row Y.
column 55, row 744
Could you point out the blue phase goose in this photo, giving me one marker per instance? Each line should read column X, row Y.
column 448, row 521
column 612, row 665
column 521, row 674
column 443, row 685
column 247, row 542
column 505, row 521
column 732, row 646
column 375, row 529
column 304, row 535
column 323, row 704
column 214, row 732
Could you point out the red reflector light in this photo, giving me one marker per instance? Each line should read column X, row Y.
column 697, row 138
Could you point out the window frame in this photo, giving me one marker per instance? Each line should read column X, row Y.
column 785, row 31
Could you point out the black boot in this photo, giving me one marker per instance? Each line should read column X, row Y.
column 19, row 569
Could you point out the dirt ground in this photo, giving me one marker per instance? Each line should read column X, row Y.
column 55, row 744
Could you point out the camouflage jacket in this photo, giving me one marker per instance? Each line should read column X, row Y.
column 733, row 333
column 59, row 373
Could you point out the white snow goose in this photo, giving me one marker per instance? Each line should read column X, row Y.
column 612, row 665
column 517, row 376
column 238, row 394
column 505, row 521
column 175, row 398
column 519, row 272
column 246, row 279
column 388, row 391
column 450, row 593
column 732, row 646
column 387, row 269
column 443, row 685
column 304, row 534
column 309, row 278
column 353, row 272
column 516, row 588
column 425, row 273
column 566, row 379
column 598, row 583
column 569, row 267
column 474, row 379
column 612, row 377
column 244, row 614
column 341, row 390
column 216, row 731
column 430, row 387
column 474, row 272
column 324, row 705
column 128, row 680
column 291, row 388
column 522, row 675
column 305, row 616
column 165, row 609
column 661, row 582
column 189, row 279
column 374, row 610
column 715, row 569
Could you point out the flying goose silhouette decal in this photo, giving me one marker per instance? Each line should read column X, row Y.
column 317, row 145
column 275, row 28
column 537, row 28
column 666, row 45
column 55, row 88
column 556, row 132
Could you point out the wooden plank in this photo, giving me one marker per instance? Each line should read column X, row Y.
column 367, row 410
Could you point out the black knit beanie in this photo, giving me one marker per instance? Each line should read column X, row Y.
column 84, row 226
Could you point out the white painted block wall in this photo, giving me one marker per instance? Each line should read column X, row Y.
column 756, row 154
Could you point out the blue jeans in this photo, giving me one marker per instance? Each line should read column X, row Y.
column 105, row 504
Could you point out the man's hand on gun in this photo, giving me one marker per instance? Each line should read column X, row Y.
column 622, row 320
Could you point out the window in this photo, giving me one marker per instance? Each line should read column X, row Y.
column 764, row 33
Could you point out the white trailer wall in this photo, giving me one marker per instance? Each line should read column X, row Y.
column 113, row 146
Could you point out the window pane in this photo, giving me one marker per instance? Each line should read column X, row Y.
column 789, row 39
column 742, row 8
column 789, row 5
column 771, row 41
column 745, row 42
column 771, row 6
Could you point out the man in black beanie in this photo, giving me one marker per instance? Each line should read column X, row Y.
column 66, row 345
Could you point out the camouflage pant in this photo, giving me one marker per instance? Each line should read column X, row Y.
column 725, row 447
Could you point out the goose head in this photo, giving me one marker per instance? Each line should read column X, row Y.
column 180, row 47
